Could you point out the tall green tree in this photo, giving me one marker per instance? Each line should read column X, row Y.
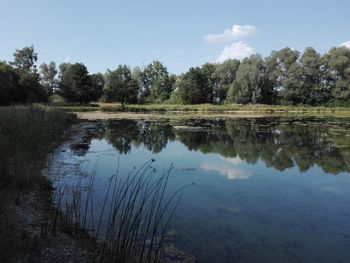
column 284, row 73
column 193, row 87
column 9, row 85
column 29, row 80
column 208, row 70
column 314, row 87
column 75, row 84
column 143, row 84
column 97, row 82
column 224, row 76
column 120, row 86
column 337, row 60
column 48, row 74
column 251, row 84
column 25, row 59
column 30, row 88
column 291, row 92
column 157, row 81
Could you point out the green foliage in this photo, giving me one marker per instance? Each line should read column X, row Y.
column 283, row 73
column 9, row 85
column 19, row 80
column 173, row 107
column 157, row 82
column 337, row 60
column 29, row 80
column 175, row 98
column 56, row 99
column 251, row 84
column 314, row 88
column 208, row 70
column 284, row 77
column 30, row 88
column 26, row 136
column 193, row 87
column 303, row 83
column 97, row 82
column 76, row 85
column 223, row 76
column 143, row 85
column 120, row 86
column 25, row 59
column 48, row 74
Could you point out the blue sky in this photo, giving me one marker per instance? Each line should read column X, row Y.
column 103, row 34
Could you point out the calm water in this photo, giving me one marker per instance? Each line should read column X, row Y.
column 266, row 189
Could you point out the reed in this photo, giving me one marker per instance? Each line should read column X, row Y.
column 136, row 210
column 27, row 135
column 134, row 217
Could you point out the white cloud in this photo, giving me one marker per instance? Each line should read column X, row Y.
column 226, row 170
column 67, row 59
column 238, row 50
column 237, row 31
column 346, row 44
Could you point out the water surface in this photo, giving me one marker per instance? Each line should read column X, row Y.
column 265, row 189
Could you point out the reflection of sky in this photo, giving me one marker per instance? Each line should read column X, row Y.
column 229, row 167
column 224, row 209
column 235, row 160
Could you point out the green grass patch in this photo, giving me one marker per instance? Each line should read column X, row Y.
column 27, row 134
column 211, row 108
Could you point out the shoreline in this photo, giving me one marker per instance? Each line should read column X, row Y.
column 28, row 233
column 206, row 108
column 81, row 246
column 101, row 115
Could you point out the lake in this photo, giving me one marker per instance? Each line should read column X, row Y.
column 260, row 189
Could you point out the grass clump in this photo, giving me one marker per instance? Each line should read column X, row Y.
column 27, row 135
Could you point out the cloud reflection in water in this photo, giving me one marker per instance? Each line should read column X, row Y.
column 227, row 169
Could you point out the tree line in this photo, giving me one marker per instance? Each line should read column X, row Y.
column 286, row 76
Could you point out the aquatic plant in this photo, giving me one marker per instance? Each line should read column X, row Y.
column 134, row 216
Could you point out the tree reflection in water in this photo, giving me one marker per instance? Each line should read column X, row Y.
column 280, row 143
